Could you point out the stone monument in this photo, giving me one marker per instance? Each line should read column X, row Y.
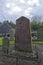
column 23, row 35
column 5, row 46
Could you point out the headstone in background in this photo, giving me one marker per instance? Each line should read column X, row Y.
column 23, row 35
column 5, row 46
column 12, row 34
column 40, row 34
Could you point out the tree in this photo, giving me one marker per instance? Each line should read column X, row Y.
column 12, row 24
column 36, row 23
column 0, row 23
column 6, row 21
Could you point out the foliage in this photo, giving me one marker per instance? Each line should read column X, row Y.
column 12, row 24
column 35, row 25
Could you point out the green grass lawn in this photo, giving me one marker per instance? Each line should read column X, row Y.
column 38, row 42
column 1, row 40
column 12, row 42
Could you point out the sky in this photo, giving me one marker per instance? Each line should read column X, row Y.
column 13, row 9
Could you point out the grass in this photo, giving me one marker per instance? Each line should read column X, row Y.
column 12, row 42
column 1, row 41
column 38, row 42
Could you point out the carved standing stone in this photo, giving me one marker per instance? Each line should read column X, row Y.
column 23, row 35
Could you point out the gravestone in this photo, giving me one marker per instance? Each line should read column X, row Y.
column 40, row 34
column 12, row 34
column 5, row 46
column 23, row 35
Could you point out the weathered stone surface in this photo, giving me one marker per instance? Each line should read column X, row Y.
column 5, row 46
column 23, row 35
